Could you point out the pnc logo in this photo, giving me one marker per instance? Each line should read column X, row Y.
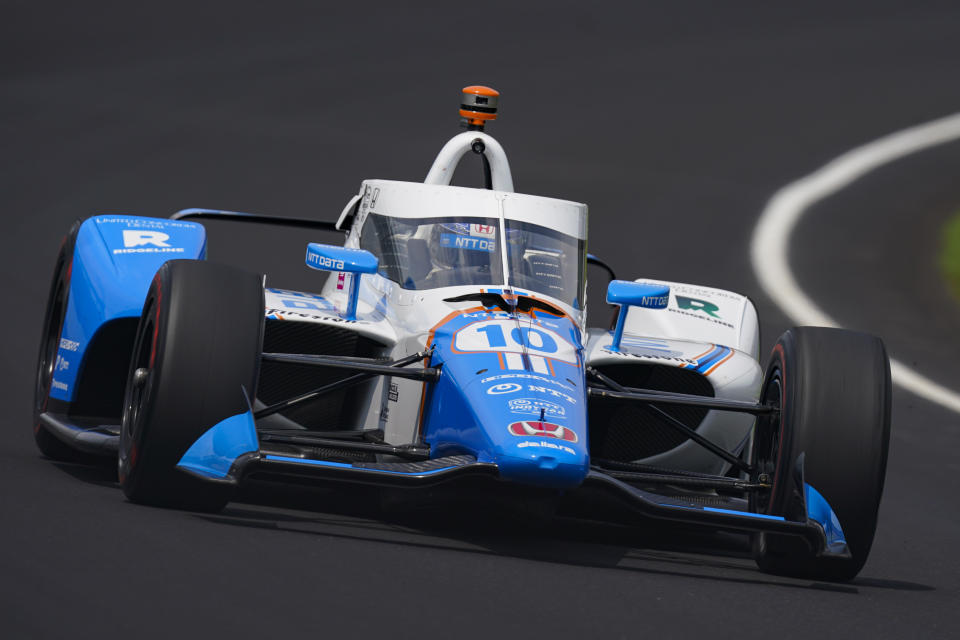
column 504, row 387
column 139, row 237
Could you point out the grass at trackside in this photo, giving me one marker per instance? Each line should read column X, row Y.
column 950, row 253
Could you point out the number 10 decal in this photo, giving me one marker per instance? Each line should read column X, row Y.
column 505, row 336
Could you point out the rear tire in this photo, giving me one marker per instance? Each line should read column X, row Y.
column 833, row 390
column 49, row 445
column 197, row 352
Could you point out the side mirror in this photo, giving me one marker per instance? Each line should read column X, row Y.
column 326, row 257
column 634, row 294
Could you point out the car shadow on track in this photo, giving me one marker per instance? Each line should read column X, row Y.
column 359, row 514
column 99, row 472
column 356, row 514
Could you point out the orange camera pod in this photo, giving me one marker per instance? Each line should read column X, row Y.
column 478, row 105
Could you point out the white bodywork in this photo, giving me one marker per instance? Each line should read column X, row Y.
column 696, row 319
column 449, row 157
column 700, row 313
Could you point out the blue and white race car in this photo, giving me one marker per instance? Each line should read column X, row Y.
column 449, row 348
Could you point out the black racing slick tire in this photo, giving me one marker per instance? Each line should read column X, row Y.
column 196, row 358
column 59, row 295
column 832, row 387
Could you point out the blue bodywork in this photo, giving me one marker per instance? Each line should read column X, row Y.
column 634, row 294
column 328, row 257
column 114, row 261
column 215, row 451
column 819, row 510
column 356, row 262
column 512, row 393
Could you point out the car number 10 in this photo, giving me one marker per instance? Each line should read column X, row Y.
column 495, row 336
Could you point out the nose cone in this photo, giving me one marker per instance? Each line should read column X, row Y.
column 535, row 426
column 525, row 412
column 543, row 454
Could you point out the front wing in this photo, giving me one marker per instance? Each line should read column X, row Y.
column 231, row 452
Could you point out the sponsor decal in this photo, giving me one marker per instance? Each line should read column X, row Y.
column 147, row 223
column 483, row 230
column 56, row 384
column 533, row 406
column 504, row 388
column 654, row 302
column 524, row 376
column 137, row 238
column 141, row 241
column 545, row 444
column 149, row 250
column 62, row 364
column 652, row 356
column 693, row 304
column 341, row 280
column 699, row 292
column 283, row 314
column 543, row 430
column 325, row 262
column 702, row 317
column 467, row 242
column 69, row 345
column 393, row 394
column 552, row 392
column 363, row 209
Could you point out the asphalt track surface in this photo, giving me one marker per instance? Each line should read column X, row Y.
column 674, row 124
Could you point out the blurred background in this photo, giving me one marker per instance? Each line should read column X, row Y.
column 675, row 122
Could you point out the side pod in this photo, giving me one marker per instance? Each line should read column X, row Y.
column 114, row 261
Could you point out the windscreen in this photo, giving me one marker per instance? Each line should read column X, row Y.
column 546, row 261
column 429, row 253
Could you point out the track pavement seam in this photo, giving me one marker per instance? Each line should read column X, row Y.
column 770, row 243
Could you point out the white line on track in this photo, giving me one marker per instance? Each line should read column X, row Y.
column 769, row 247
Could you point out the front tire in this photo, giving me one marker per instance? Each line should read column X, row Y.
column 196, row 355
column 833, row 390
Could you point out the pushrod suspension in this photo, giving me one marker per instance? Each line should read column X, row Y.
column 367, row 365
column 648, row 397
column 389, row 368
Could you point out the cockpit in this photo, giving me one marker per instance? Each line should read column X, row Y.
column 435, row 251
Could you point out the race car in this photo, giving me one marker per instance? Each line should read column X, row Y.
column 449, row 351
